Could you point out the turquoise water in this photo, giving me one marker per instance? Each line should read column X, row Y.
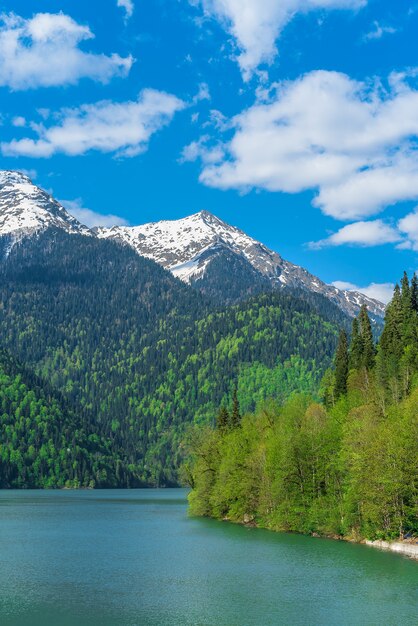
column 84, row 558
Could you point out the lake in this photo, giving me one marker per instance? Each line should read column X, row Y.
column 125, row 558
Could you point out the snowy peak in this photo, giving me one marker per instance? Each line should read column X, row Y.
column 182, row 245
column 25, row 208
column 188, row 246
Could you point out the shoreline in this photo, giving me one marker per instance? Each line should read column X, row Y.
column 399, row 547
column 404, row 548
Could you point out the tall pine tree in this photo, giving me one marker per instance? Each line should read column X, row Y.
column 223, row 418
column 356, row 346
column 414, row 293
column 368, row 349
column 235, row 414
column 341, row 366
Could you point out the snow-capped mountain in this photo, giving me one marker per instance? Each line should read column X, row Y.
column 188, row 246
column 25, row 209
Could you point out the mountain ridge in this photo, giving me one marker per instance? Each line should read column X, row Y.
column 186, row 247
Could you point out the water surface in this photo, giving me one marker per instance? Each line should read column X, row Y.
column 127, row 558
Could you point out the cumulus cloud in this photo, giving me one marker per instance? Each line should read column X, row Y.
column 92, row 218
column 128, row 7
column 354, row 143
column 43, row 51
column 121, row 127
column 373, row 233
column 408, row 225
column 382, row 292
column 256, row 25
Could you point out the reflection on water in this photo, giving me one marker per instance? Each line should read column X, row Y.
column 135, row 558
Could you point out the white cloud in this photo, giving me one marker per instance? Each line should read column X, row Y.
column 124, row 128
column 382, row 292
column 379, row 31
column 198, row 150
column 355, row 143
column 364, row 234
column 19, row 121
column 256, row 25
column 91, row 218
column 202, row 94
column 128, row 7
column 409, row 227
column 43, row 51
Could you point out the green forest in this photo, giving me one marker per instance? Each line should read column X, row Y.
column 132, row 356
column 342, row 466
column 43, row 444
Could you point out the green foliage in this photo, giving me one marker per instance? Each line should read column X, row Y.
column 137, row 355
column 341, row 366
column 42, row 444
column 223, row 419
column 368, row 350
column 356, row 346
column 347, row 467
column 235, row 419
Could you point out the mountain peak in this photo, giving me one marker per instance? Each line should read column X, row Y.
column 13, row 177
column 26, row 208
column 208, row 217
column 188, row 246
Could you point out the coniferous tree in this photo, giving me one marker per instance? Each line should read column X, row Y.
column 222, row 419
column 405, row 290
column 235, row 414
column 368, row 349
column 341, row 365
column 356, row 346
column 414, row 293
column 407, row 312
column 390, row 345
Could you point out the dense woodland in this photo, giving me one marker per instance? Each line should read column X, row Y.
column 43, row 443
column 133, row 356
column 346, row 466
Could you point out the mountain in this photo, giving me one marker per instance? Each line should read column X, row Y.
column 133, row 354
column 202, row 250
column 26, row 209
column 138, row 355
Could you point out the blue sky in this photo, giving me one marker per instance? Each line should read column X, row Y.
column 296, row 120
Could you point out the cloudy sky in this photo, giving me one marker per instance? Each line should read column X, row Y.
column 296, row 120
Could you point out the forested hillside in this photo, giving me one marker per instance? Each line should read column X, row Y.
column 44, row 444
column 137, row 355
column 346, row 466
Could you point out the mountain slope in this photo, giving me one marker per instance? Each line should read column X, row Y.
column 189, row 247
column 138, row 355
column 43, row 444
column 201, row 250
